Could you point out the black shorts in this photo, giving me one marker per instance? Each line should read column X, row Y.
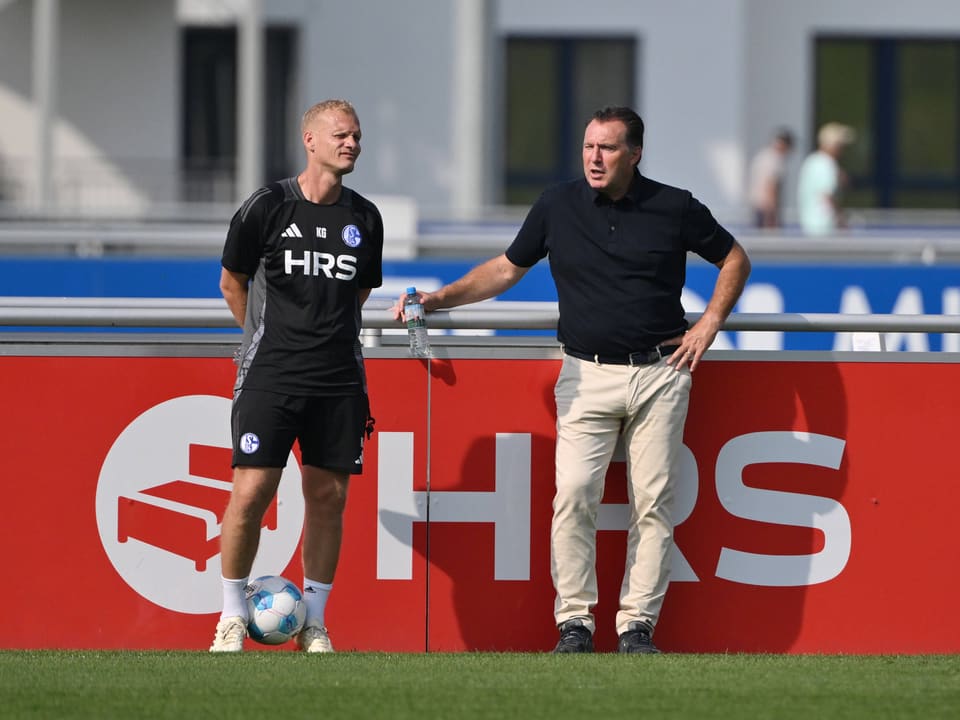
column 330, row 430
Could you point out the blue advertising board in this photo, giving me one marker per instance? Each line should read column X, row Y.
column 773, row 288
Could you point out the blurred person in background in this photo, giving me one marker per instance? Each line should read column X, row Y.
column 300, row 259
column 822, row 181
column 767, row 172
column 617, row 244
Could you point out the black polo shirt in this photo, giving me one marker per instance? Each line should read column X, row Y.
column 619, row 267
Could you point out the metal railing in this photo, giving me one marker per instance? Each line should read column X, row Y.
column 213, row 314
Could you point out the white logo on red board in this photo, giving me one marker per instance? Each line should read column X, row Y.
column 508, row 508
column 161, row 494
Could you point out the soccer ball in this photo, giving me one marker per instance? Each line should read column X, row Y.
column 277, row 610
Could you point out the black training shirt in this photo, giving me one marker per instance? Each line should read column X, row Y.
column 308, row 263
column 619, row 267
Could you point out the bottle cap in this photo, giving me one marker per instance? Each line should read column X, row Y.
column 411, row 290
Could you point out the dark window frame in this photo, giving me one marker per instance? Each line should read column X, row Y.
column 564, row 154
column 885, row 178
column 208, row 113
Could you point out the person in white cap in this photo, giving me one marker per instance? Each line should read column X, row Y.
column 821, row 181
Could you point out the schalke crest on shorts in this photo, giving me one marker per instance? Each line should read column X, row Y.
column 351, row 236
column 249, row 443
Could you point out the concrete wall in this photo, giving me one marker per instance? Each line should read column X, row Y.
column 117, row 103
column 393, row 61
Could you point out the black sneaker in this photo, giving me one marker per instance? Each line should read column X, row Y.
column 574, row 638
column 637, row 640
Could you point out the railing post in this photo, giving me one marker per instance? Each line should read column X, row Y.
column 370, row 337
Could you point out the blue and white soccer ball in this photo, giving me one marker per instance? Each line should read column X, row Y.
column 277, row 610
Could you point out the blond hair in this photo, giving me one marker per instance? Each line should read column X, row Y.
column 836, row 135
column 325, row 106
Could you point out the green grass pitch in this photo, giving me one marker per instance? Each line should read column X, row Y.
column 134, row 684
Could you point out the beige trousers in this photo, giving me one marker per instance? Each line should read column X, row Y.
column 596, row 404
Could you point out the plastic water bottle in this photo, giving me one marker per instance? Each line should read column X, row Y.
column 416, row 324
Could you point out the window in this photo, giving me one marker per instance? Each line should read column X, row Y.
column 553, row 85
column 903, row 97
column 209, row 115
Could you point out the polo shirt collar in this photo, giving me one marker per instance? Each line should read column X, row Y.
column 633, row 192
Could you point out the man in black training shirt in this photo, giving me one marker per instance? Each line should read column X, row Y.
column 300, row 259
column 617, row 244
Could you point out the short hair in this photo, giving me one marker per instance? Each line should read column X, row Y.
column 628, row 117
column 324, row 106
column 836, row 135
column 785, row 136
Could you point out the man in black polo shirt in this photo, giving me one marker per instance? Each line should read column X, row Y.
column 300, row 259
column 617, row 244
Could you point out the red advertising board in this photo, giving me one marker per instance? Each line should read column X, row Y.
column 815, row 511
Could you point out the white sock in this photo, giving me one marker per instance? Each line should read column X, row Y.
column 234, row 598
column 315, row 595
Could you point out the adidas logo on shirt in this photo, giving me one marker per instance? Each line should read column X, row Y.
column 292, row 231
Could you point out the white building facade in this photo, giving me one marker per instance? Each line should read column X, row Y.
column 148, row 106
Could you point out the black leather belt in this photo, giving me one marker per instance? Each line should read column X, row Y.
column 641, row 357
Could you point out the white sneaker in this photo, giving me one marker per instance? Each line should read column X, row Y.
column 229, row 636
column 314, row 639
